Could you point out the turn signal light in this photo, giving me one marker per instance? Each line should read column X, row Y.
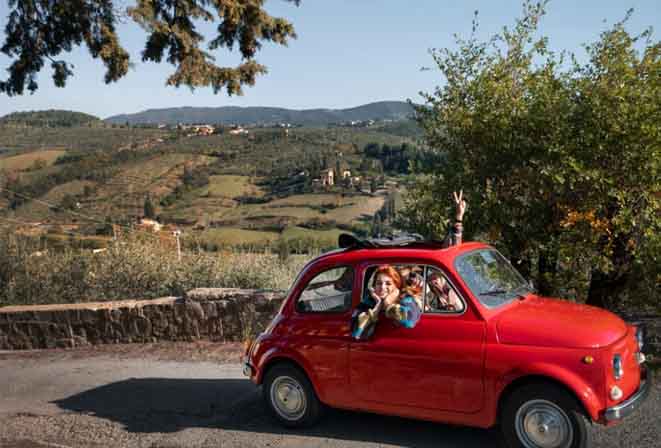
column 588, row 359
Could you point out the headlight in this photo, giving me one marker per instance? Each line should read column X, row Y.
column 640, row 337
column 618, row 370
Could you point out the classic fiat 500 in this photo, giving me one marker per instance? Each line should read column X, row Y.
column 543, row 369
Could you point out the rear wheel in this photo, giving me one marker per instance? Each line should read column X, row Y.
column 290, row 398
column 544, row 416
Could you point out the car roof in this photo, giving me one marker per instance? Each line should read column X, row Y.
column 419, row 251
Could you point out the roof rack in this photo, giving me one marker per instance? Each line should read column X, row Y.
column 348, row 241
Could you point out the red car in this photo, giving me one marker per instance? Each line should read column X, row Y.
column 541, row 368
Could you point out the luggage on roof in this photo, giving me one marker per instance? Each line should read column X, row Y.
column 347, row 241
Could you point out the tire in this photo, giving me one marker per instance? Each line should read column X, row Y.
column 544, row 416
column 290, row 397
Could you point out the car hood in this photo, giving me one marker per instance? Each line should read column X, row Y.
column 558, row 323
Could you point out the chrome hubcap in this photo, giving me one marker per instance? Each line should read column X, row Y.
column 288, row 398
column 542, row 424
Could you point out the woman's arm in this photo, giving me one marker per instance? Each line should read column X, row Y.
column 454, row 236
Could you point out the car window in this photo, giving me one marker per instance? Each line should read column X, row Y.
column 440, row 294
column 411, row 277
column 490, row 277
column 328, row 292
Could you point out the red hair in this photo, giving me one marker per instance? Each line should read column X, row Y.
column 391, row 272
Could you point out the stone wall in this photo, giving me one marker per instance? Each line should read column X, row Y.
column 205, row 313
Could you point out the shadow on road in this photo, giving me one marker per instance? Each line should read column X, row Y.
column 150, row 405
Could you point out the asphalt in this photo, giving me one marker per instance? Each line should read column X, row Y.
column 96, row 399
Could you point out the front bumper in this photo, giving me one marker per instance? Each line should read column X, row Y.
column 247, row 369
column 634, row 402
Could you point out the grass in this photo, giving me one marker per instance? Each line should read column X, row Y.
column 75, row 138
column 315, row 200
column 326, row 237
column 363, row 207
column 125, row 193
column 230, row 186
column 235, row 236
column 305, row 207
column 30, row 176
column 37, row 211
column 227, row 236
column 24, row 161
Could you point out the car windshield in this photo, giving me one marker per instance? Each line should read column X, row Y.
column 490, row 277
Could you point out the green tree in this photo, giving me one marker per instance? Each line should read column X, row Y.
column 39, row 31
column 149, row 210
column 560, row 158
column 68, row 202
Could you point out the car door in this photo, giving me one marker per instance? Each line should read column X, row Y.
column 318, row 329
column 438, row 364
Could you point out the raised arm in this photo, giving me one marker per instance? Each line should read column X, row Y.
column 454, row 235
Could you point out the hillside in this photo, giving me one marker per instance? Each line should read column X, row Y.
column 254, row 190
column 48, row 118
column 383, row 110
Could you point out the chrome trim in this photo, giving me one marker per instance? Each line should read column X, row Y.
column 640, row 337
column 634, row 402
column 247, row 370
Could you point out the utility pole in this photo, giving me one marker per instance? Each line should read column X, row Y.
column 176, row 234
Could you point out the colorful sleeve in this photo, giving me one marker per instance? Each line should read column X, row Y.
column 407, row 312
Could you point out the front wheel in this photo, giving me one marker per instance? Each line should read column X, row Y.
column 290, row 397
column 544, row 416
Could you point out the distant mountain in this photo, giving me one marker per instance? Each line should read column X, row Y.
column 383, row 110
column 51, row 118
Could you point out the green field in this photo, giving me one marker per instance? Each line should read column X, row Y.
column 328, row 237
column 227, row 236
column 318, row 199
column 231, row 236
column 37, row 211
column 75, row 138
column 364, row 208
column 231, row 186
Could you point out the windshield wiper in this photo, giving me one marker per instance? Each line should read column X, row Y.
column 494, row 292
column 497, row 292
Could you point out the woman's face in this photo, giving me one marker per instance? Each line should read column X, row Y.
column 383, row 285
column 438, row 281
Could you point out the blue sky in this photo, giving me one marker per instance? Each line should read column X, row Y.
column 348, row 52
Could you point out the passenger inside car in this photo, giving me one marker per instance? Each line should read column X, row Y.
column 388, row 292
column 399, row 292
column 441, row 295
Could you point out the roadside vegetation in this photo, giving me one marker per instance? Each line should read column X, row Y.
column 132, row 268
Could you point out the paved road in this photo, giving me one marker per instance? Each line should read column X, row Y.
column 58, row 400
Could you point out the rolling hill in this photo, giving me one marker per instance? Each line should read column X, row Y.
column 48, row 118
column 383, row 110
